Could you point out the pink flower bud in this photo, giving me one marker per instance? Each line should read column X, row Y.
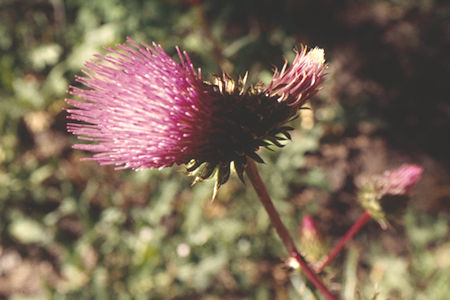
column 311, row 243
column 308, row 225
column 301, row 80
column 399, row 181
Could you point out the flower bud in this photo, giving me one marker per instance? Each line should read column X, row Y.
column 311, row 242
column 399, row 181
column 301, row 80
column 390, row 184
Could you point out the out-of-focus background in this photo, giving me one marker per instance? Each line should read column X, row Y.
column 74, row 230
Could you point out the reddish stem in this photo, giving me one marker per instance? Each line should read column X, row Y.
column 260, row 188
column 343, row 241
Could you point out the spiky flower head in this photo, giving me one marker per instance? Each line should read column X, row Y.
column 397, row 182
column 144, row 110
column 300, row 82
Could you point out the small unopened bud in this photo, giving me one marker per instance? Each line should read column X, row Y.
column 308, row 226
column 311, row 242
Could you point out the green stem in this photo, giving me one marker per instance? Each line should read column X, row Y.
column 261, row 191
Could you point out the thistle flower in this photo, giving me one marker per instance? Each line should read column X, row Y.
column 300, row 82
column 144, row 110
column 397, row 182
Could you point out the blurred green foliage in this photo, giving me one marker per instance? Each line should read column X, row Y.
column 149, row 235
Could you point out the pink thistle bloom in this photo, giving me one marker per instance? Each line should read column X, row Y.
column 299, row 82
column 399, row 181
column 139, row 107
column 144, row 110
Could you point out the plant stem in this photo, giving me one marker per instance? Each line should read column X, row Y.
column 261, row 191
column 343, row 241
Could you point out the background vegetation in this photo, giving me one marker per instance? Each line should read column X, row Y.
column 73, row 230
